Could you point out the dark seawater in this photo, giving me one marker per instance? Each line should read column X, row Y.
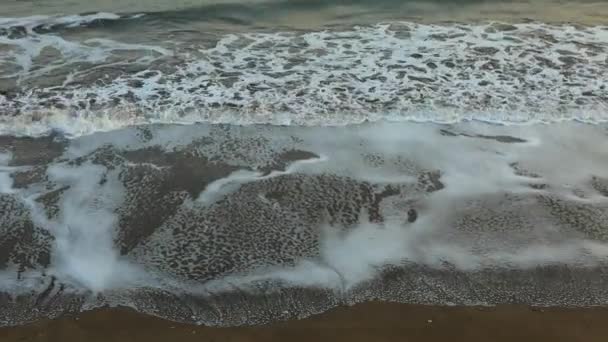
column 230, row 163
column 273, row 11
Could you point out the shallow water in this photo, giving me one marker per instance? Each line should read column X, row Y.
column 310, row 12
column 230, row 225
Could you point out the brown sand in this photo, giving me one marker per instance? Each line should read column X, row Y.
column 370, row 322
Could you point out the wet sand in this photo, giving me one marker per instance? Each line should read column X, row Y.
column 364, row 322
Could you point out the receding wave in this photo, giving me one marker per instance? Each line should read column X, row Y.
column 230, row 225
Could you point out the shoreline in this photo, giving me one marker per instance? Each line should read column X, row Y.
column 371, row 321
column 493, row 244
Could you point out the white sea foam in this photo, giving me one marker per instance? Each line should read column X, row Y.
column 221, row 187
column 29, row 282
column 83, row 252
column 520, row 74
column 5, row 158
column 482, row 177
column 562, row 156
column 6, row 183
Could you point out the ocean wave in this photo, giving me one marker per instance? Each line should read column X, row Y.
column 43, row 23
column 522, row 73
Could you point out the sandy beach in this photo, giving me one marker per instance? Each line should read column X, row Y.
column 303, row 170
column 364, row 322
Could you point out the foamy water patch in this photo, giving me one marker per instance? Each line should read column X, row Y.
column 523, row 73
column 6, row 182
column 206, row 210
column 83, row 252
column 476, row 161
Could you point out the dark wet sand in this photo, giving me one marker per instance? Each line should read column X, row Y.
column 365, row 322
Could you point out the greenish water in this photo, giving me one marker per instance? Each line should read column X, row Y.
column 306, row 13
